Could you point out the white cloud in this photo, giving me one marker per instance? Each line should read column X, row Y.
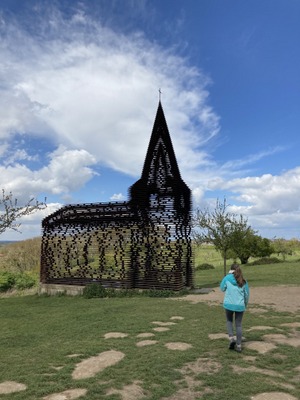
column 3, row 149
column 94, row 93
column 270, row 202
column 67, row 170
column 236, row 165
column 268, row 193
column 92, row 89
column 118, row 197
column 18, row 155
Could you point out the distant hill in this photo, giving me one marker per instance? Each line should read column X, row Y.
column 5, row 242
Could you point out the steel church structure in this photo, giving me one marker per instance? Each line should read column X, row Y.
column 143, row 243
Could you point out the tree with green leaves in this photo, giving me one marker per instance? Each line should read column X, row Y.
column 11, row 211
column 283, row 247
column 219, row 227
column 246, row 244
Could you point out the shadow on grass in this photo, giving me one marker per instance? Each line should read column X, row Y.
column 208, row 285
column 204, row 289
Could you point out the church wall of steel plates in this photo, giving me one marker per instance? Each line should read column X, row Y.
column 143, row 243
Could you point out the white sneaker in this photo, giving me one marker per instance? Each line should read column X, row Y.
column 238, row 348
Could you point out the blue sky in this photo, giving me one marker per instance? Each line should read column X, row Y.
column 79, row 92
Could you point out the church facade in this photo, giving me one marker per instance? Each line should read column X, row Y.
column 143, row 243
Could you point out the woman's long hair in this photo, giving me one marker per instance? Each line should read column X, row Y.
column 237, row 272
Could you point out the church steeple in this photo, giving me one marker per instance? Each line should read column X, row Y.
column 160, row 162
column 160, row 175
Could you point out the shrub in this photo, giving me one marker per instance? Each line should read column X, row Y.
column 265, row 260
column 122, row 292
column 24, row 281
column 94, row 290
column 204, row 266
column 7, row 281
column 10, row 280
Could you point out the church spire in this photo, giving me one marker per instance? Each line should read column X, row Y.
column 160, row 156
column 160, row 175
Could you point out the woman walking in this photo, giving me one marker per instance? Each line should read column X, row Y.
column 235, row 302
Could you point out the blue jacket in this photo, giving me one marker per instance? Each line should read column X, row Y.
column 236, row 298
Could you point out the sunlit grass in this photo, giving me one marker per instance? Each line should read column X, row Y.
column 37, row 335
column 284, row 273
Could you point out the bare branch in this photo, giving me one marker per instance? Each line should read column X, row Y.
column 11, row 212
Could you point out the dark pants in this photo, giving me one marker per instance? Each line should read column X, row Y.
column 238, row 324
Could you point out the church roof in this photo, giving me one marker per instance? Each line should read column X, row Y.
column 160, row 152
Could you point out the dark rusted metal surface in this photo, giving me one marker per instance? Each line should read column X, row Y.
column 143, row 243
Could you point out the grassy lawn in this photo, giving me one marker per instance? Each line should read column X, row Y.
column 285, row 273
column 37, row 334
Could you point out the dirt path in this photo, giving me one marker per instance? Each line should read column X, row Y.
column 280, row 298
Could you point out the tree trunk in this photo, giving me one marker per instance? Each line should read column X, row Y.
column 244, row 260
column 225, row 255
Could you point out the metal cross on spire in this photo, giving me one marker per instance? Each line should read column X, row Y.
column 160, row 93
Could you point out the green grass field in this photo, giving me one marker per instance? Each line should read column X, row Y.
column 284, row 273
column 43, row 332
column 38, row 334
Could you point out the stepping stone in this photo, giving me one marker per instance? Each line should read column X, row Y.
column 260, row 347
column 128, row 392
column 115, row 335
column 292, row 324
column 146, row 343
column 268, row 372
column 282, row 339
column 215, row 336
column 74, row 355
column 178, row 346
column 91, row 366
column 67, row 395
column 161, row 329
column 273, row 396
column 177, row 318
column 146, row 334
column 11, row 387
column 259, row 328
column 163, row 323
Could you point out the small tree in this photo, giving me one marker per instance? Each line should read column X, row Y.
column 219, row 227
column 249, row 244
column 10, row 211
column 264, row 247
column 283, row 247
